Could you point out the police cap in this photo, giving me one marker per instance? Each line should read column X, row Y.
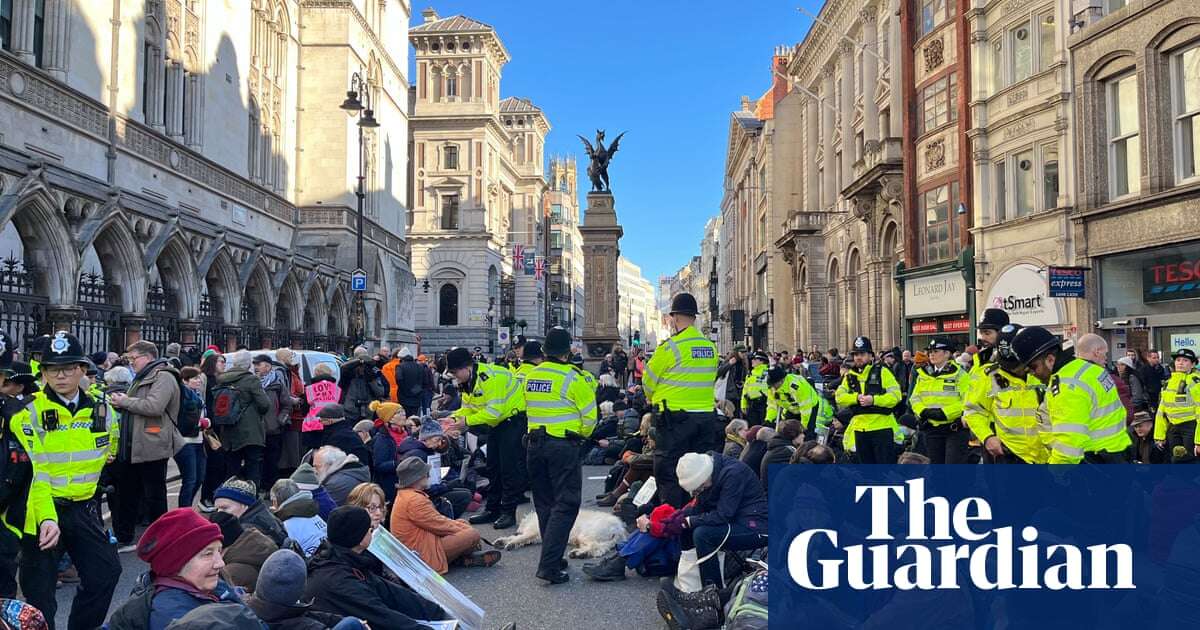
column 577, row 360
column 941, row 343
column 40, row 345
column 532, row 350
column 558, row 342
column 684, row 304
column 993, row 319
column 775, row 375
column 861, row 344
column 1033, row 342
column 64, row 349
column 1186, row 353
column 458, row 358
column 1004, row 342
column 760, row 356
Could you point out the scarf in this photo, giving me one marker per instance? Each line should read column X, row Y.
column 270, row 379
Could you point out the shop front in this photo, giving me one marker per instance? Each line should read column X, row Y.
column 1151, row 298
column 936, row 306
column 1022, row 291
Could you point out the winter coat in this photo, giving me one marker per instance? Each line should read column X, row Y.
column 734, row 446
column 1126, row 397
column 174, row 598
column 260, row 518
column 736, row 374
column 1137, row 390
column 342, row 435
column 278, row 417
column 245, row 557
column 346, row 583
column 417, row 524
column 1144, row 450
column 294, row 617
column 300, row 405
column 150, row 413
column 734, row 497
column 383, row 461
column 779, row 451
column 753, row 455
column 361, row 383
column 304, row 525
column 341, row 480
column 411, row 447
column 325, row 503
column 410, row 382
column 251, row 429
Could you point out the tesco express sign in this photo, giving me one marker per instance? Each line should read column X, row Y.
column 1021, row 291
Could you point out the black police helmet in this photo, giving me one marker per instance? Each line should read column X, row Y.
column 532, row 350
column 458, row 358
column 64, row 349
column 861, row 344
column 558, row 342
column 1004, row 343
column 775, row 375
column 684, row 304
column 1186, row 353
column 993, row 319
column 941, row 343
column 1032, row 342
column 41, row 345
column 760, row 356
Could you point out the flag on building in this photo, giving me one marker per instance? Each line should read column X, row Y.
column 539, row 267
column 518, row 254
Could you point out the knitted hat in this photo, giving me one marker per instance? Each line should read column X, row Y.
column 363, row 426
column 347, row 525
column 430, row 428
column 173, row 539
column 239, row 490
column 305, row 476
column 693, row 470
column 410, row 471
column 332, row 411
column 281, row 578
column 384, row 410
column 231, row 529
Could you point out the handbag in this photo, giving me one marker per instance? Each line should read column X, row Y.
column 211, row 440
column 687, row 576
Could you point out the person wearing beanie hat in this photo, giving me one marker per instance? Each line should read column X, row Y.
column 493, row 402
column 278, row 599
column 415, row 522
column 344, row 580
column 870, row 394
column 239, row 498
column 245, row 550
column 729, row 512
column 305, row 477
column 384, row 410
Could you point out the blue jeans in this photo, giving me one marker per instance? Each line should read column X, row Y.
column 191, row 462
column 707, row 539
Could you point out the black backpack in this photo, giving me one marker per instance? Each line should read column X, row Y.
column 191, row 406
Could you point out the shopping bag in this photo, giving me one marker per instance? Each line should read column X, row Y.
column 687, row 577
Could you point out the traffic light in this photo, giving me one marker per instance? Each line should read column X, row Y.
column 637, row 338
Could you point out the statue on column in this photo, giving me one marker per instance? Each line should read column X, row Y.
column 600, row 156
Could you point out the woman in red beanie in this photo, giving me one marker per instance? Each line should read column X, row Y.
column 184, row 553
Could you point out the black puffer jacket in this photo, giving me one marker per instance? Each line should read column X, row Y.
column 346, row 583
column 294, row 617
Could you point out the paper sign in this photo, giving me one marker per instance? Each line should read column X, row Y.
column 646, row 493
column 435, row 469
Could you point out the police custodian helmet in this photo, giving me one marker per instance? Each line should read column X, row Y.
column 64, row 349
column 684, row 304
column 861, row 344
column 458, row 358
column 1032, row 342
column 558, row 342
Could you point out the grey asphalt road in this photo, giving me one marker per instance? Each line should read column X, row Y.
column 507, row 592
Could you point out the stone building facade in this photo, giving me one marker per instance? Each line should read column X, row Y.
column 157, row 169
column 566, row 247
column 638, row 313
column 478, row 189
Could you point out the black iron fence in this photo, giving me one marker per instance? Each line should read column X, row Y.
column 98, row 325
column 22, row 310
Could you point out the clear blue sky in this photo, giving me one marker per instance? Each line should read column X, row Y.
column 669, row 72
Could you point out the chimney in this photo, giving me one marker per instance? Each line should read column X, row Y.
column 745, row 103
column 780, row 83
column 430, row 15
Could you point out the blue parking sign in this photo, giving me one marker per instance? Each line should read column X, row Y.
column 358, row 280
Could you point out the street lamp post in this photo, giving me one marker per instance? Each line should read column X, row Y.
column 359, row 103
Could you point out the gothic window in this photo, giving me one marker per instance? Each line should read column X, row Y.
column 268, row 71
column 39, row 33
column 448, row 305
column 152, row 67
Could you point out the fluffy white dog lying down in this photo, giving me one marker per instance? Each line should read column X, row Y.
column 592, row 536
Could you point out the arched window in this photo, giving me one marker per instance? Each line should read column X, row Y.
column 448, row 305
column 268, row 73
column 152, row 67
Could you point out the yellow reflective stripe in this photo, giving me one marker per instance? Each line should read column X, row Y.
column 685, row 384
column 1066, row 449
column 555, row 419
column 1026, row 431
column 1109, row 431
column 70, row 457
column 1070, row 428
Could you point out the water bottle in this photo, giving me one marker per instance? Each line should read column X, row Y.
column 822, row 433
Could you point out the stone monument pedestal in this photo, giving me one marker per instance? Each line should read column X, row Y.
column 601, row 234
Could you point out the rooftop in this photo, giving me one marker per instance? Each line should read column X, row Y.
column 452, row 24
column 518, row 105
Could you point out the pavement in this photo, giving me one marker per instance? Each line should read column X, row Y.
column 507, row 592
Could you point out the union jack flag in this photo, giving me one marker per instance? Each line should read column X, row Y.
column 539, row 267
column 518, row 253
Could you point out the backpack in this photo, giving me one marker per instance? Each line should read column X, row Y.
column 747, row 609
column 134, row 614
column 191, row 405
column 228, row 405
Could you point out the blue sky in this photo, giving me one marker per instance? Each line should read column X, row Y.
column 669, row 72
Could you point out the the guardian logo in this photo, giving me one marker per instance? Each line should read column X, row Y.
column 988, row 557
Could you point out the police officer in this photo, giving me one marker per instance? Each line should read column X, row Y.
column 754, row 392
column 1087, row 417
column 1002, row 407
column 492, row 403
column 937, row 399
column 870, row 393
column 561, row 403
column 69, row 436
column 989, row 334
column 791, row 397
column 679, row 386
column 37, row 349
column 1175, row 422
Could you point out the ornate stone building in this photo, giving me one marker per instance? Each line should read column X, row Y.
column 637, row 312
column 566, row 248
column 168, row 173
column 478, row 188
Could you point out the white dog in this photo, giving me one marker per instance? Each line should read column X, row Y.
column 592, row 536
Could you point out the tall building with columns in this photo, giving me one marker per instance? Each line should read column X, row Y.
column 566, row 247
column 169, row 174
column 843, row 235
column 478, row 189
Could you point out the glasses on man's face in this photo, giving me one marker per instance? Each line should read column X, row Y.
column 59, row 370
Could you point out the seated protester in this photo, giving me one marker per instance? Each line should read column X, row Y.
column 781, row 447
column 813, row 452
column 299, row 514
column 306, row 479
column 756, row 446
column 431, row 440
column 337, row 431
column 735, row 438
column 1143, row 450
column 365, row 430
column 245, row 550
column 638, row 464
column 416, row 523
column 240, row 498
column 339, row 472
column 608, row 390
column 729, row 506
column 345, row 580
column 387, row 435
column 278, row 599
column 369, row 496
column 184, row 554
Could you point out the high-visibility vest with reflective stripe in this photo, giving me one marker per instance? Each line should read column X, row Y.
column 495, row 397
column 946, row 390
column 794, row 397
column 755, row 386
column 681, row 374
column 560, row 398
column 1180, row 402
column 1007, row 407
column 886, row 397
column 1086, row 413
column 70, row 457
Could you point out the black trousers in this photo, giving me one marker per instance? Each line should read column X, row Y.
column 506, row 477
column 10, row 547
column 556, row 479
column 83, row 537
column 1182, row 434
column 270, row 465
column 875, row 447
column 756, row 411
column 947, row 443
column 139, row 487
column 1106, row 457
column 247, row 463
column 214, row 473
column 680, row 433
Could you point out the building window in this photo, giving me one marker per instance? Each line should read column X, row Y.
column 1186, row 85
column 1022, row 52
column 451, row 86
column 556, row 239
column 6, row 19
column 1113, row 5
column 39, row 33
column 938, row 103
column 1024, row 196
column 1124, row 154
column 556, row 213
column 941, row 230
column 1001, row 190
column 448, row 305
column 451, row 153
column 1049, row 179
column 450, row 212
column 1046, row 41
column 933, row 12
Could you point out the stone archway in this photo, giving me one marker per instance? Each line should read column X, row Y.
column 111, row 281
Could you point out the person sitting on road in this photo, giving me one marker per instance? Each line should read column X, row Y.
column 339, row 472
column 244, row 551
column 306, row 479
column 369, row 496
column 298, row 511
column 240, row 498
column 278, row 599
column 417, row 523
